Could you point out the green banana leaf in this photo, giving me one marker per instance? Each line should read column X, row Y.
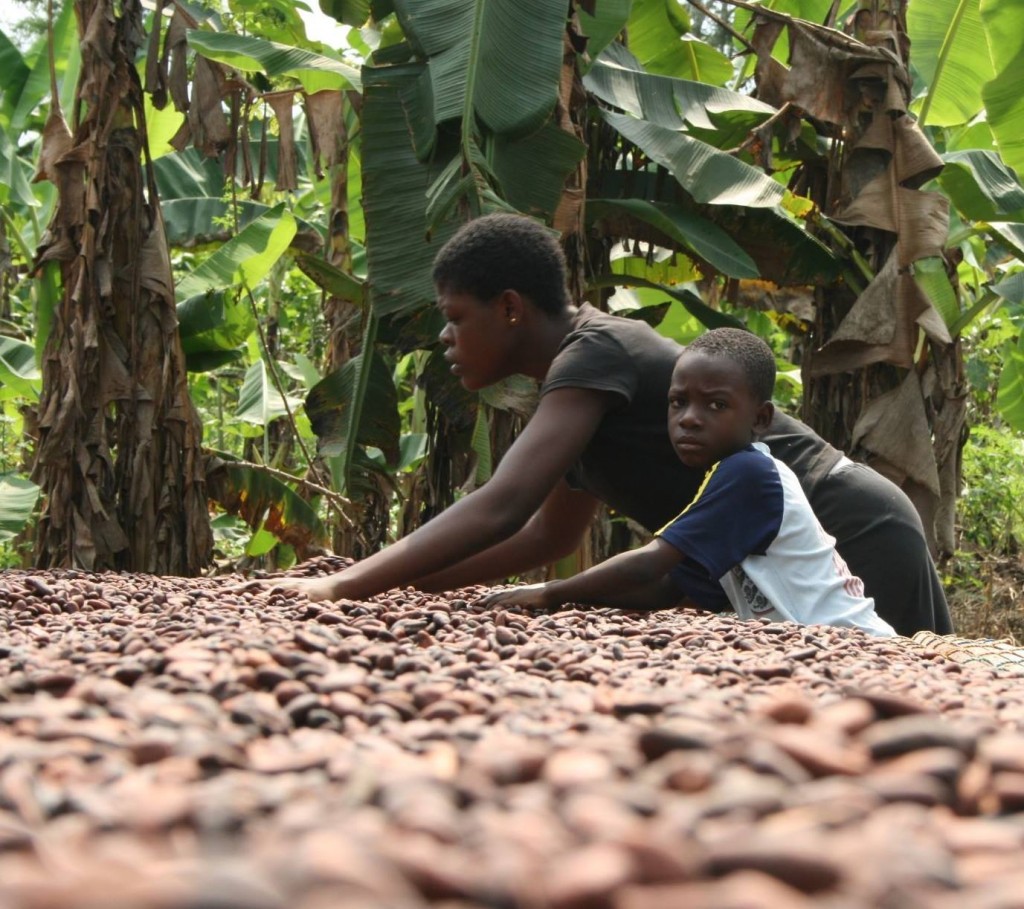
column 246, row 258
column 20, row 108
column 16, row 72
column 399, row 250
column 691, row 231
column 213, row 327
column 951, row 55
column 271, row 58
column 275, row 20
column 1011, row 288
column 1010, row 396
column 659, row 36
column 1010, row 233
column 1004, row 100
column 18, row 498
column 475, row 46
column 18, row 368
column 259, row 401
column 982, row 187
column 707, row 174
column 618, row 79
column 264, row 501
column 192, row 196
column 333, row 280
column 15, row 174
column 480, row 444
column 930, row 275
column 784, row 252
column 710, row 318
column 532, row 170
column 329, row 408
column 348, row 12
column 601, row 27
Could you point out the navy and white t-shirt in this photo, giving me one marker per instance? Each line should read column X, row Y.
column 750, row 540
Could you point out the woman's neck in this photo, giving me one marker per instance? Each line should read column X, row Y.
column 547, row 337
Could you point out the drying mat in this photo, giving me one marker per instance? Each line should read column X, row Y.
column 1004, row 656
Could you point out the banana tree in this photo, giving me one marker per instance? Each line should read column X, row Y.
column 118, row 455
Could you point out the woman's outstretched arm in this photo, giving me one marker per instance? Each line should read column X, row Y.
column 552, row 441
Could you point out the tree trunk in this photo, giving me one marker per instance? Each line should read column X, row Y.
column 118, row 456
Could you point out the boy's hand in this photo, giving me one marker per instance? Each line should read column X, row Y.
column 313, row 588
column 532, row 596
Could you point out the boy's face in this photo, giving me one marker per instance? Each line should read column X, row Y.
column 712, row 411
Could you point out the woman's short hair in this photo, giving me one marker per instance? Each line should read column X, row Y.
column 500, row 252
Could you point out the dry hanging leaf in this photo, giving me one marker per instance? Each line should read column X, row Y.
column 176, row 48
column 325, row 112
column 895, row 427
column 282, row 102
column 206, row 112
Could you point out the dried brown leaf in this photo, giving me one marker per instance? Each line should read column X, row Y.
column 325, row 112
column 895, row 427
column 206, row 112
column 282, row 102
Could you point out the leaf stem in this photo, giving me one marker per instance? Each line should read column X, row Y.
column 276, row 379
column 940, row 64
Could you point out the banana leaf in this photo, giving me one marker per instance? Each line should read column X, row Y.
column 1011, row 288
column 532, row 170
column 475, row 45
column 694, row 305
column 659, row 36
column 246, row 258
column 1010, row 396
column 18, row 498
column 250, row 54
column 18, row 368
column 707, row 174
column 618, row 79
column 262, row 500
column 348, row 12
column 951, row 56
column 330, row 401
column 400, row 251
column 259, row 401
column 982, row 187
column 213, row 327
column 601, row 26
column 689, row 230
column 1004, row 100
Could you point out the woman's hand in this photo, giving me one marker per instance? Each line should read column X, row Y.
column 325, row 588
column 531, row 596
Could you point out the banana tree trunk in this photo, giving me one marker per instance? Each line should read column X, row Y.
column 118, row 454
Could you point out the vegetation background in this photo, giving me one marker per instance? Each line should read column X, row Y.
column 217, row 340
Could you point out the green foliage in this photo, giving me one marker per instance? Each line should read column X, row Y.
column 992, row 501
column 458, row 117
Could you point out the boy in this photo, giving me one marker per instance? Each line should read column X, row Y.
column 748, row 538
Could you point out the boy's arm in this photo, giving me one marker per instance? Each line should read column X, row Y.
column 633, row 580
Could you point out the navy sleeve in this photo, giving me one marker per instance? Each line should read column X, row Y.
column 737, row 512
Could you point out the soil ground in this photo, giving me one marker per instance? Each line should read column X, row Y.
column 986, row 596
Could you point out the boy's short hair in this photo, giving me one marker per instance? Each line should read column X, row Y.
column 504, row 252
column 753, row 355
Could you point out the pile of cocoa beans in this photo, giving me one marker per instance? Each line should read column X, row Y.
column 168, row 743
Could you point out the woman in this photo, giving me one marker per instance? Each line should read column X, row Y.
column 599, row 435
